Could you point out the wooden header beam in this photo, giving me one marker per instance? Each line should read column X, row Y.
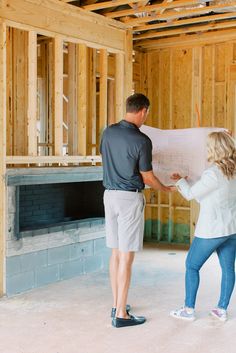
column 69, row 21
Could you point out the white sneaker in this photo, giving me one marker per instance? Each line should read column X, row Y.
column 220, row 314
column 184, row 314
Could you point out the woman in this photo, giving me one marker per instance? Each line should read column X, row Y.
column 216, row 226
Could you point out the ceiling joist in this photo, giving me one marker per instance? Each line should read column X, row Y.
column 152, row 20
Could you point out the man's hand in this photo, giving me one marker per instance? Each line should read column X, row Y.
column 176, row 177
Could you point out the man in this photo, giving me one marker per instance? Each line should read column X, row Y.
column 127, row 166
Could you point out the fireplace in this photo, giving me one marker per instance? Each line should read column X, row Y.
column 50, row 205
column 56, row 227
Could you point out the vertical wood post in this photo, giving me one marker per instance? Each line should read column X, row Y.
column 2, row 154
column 32, row 93
column 58, row 95
column 82, row 97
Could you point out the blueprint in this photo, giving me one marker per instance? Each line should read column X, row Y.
column 180, row 151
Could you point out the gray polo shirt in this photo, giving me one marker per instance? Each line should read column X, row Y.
column 125, row 151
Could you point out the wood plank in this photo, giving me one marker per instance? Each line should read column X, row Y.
column 92, row 116
column 189, row 40
column 128, row 79
column 207, row 86
column 165, row 90
column 52, row 159
column 189, row 21
column 172, row 15
column 103, row 63
column 108, row 4
column 119, row 86
column 2, row 156
column 72, row 113
column 82, row 98
column 182, row 89
column 196, row 87
column 19, row 92
column 192, row 29
column 9, row 94
column 58, row 95
column 32, row 93
column 68, row 20
column 156, row 8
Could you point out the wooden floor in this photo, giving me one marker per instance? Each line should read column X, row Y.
column 73, row 316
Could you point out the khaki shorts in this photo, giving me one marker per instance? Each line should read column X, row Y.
column 124, row 218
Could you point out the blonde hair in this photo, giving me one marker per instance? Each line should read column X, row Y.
column 222, row 151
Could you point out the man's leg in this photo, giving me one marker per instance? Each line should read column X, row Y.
column 123, row 282
column 114, row 267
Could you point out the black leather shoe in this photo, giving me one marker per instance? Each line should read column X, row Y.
column 113, row 310
column 132, row 321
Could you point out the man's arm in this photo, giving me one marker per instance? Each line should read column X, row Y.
column 151, row 180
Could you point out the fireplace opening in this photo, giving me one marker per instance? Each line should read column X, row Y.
column 49, row 205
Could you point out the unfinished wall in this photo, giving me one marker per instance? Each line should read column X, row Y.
column 63, row 79
column 188, row 86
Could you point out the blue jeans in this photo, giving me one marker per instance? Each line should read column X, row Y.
column 200, row 250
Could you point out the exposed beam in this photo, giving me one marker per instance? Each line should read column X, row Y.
column 151, row 8
column 192, row 29
column 186, row 22
column 189, row 40
column 175, row 15
column 75, row 24
column 107, row 4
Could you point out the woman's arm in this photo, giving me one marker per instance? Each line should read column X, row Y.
column 201, row 188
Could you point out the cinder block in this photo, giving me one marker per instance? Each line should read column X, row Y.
column 46, row 275
column 93, row 263
column 71, row 269
column 11, row 199
column 79, row 250
column 34, row 260
column 13, row 265
column 99, row 245
column 58, row 255
column 20, row 283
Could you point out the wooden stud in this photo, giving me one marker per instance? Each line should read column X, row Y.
column 156, row 8
column 107, row 4
column 32, row 93
column 2, row 155
column 58, row 95
column 72, row 121
column 119, row 85
column 82, row 98
column 103, row 64
column 128, row 79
